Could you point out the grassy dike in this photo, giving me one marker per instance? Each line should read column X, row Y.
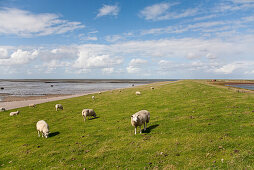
column 193, row 125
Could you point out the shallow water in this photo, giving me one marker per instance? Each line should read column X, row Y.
column 44, row 87
column 244, row 86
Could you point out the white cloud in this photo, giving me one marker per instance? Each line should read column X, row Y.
column 136, row 65
column 19, row 57
column 109, row 70
column 191, row 55
column 24, row 23
column 154, row 11
column 161, row 11
column 113, row 38
column 89, row 37
column 108, row 10
column 132, row 70
column 137, row 62
column 208, row 57
column 234, row 5
column 3, row 53
column 231, row 67
column 90, row 58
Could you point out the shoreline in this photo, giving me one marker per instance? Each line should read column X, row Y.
column 8, row 105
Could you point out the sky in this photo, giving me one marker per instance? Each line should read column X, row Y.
column 126, row 39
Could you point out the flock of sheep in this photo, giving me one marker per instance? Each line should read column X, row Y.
column 138, row 119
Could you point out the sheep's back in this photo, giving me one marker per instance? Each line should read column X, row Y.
column 144, row 115
column 42, row 125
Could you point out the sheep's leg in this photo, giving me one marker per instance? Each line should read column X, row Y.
column 135, row 130
column 145, row 126
column 39, row 133
column 84, row 118
column 140, row 129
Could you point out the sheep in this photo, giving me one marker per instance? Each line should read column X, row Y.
column 99, row 92
column 32, row 105
column 138, row 93
column 88, row 112
column 2, row 109
column 42, row 127
column 14, row 113
column 93, row 97
column 152, row 88
column 140, row 118
column 59, row 106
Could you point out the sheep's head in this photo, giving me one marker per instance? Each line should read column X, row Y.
column 135, row 118
column 46, row 134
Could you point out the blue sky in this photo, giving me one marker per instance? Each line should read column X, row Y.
column 127, row 39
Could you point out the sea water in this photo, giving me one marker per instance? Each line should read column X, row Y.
column 44, row 87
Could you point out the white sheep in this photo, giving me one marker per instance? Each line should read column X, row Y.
column 14, row 113
column 99, row 92
column 88, row 112
column 93, row 97
column 42, row 127
column 32, row 105
column 138, row 93
column 2, row 109
column 140, row 118
column 59, row 106
column 152, row 88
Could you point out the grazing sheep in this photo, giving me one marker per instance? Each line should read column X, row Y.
column 99, row 92
column 140, row 118
column 93, row 97
column 14, row 113
column 88, row 112
column 2, row 109
column 138, row 93
column 42, row 127
column 59, row 106
column 32, row 105
column 152, row 88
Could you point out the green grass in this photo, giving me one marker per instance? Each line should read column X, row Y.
column 193, row 125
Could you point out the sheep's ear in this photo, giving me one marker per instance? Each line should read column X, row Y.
column 131, row 116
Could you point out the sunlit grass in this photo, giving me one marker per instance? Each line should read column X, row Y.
column 193, row 125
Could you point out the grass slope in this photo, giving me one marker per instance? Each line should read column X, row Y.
column 193, row 125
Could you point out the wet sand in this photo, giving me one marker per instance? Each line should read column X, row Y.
column 34, row 100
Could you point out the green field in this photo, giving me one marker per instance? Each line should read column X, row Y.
column 193, row 125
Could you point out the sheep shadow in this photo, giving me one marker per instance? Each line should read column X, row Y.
column 150, row 128
column 94, row 118
column 54, row 134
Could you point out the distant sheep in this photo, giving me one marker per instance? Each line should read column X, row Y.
column 152, row 88
column 59, row 106
column 2, row 109
column 32, row 105
column 140, row 118
column 99, row 92
column 88, row 112
column 138, row 93
column 14, row 113
column 120, row 90
column 42, row 127
column 93, row 97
